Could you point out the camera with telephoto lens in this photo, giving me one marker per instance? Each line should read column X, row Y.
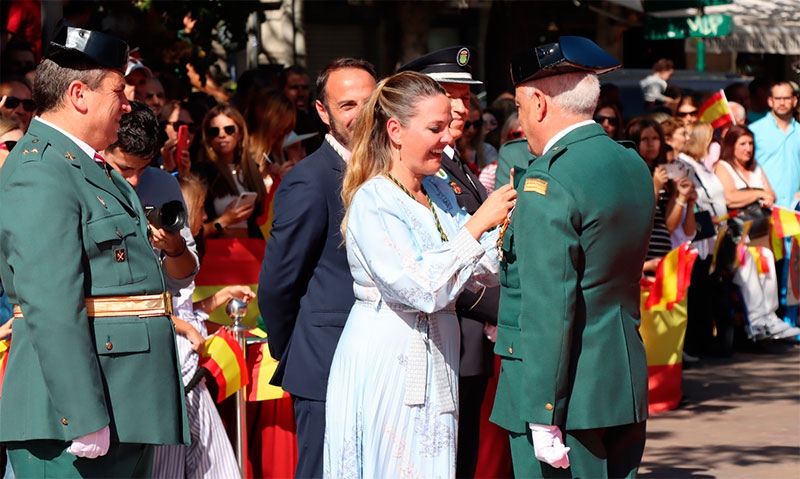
column 171, row 216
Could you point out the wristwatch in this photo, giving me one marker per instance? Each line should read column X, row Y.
column 218, row 226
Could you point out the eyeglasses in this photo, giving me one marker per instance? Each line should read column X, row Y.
column 7, row 145
column 782, row 98
column 12, row 102
column 476, row 124
column 192, row 126
column 612, row 120
column 516, row 134
column 213, row 131
column 684, row 114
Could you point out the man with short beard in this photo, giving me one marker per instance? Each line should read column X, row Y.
column 777, row 138
column 305, row 290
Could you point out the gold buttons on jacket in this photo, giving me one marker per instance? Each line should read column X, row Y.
column 510, row 350
column 109, row 345
column 548, row 406
column 64, row 421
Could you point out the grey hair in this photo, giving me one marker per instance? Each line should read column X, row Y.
column 575, row 92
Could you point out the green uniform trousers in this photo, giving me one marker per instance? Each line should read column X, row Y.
column 594, row 454
column 46, row 459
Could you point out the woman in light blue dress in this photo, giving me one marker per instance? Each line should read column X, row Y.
column 392, row 403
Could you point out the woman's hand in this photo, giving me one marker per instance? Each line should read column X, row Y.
column 239, row 291
column 236, row 215
column 493, row 211
column 168, row 154
column 197, row 340
column 660, row 177
column 767, row 201
column 686, row 190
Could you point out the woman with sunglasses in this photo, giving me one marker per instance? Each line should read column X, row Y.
column 174, row 115
column 10, row 133
column 687, row 111
column 229, row 172
column 609, row 117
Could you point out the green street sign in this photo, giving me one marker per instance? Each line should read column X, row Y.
column 706, row 26
column 666, row 5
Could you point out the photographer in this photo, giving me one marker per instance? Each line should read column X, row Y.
column 130, row 156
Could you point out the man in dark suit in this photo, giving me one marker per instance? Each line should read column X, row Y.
column 305, row 290
column 572, row 390
column 92, row 380
column 476, row 309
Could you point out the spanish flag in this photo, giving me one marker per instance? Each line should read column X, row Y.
column 265, row 220
column 716, row 111
column 673, row 276
column 785, row 221
column 228, row 262
column 762, row 263
column 224, row 359
column 663, row 333
column 262, row 366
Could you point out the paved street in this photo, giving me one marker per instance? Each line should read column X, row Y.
column 740, row 418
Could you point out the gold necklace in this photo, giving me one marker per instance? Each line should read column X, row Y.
column 430, row 204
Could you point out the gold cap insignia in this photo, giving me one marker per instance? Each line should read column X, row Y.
column 536, row 185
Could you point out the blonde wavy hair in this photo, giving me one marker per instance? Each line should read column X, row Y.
column 395, row 97
column 699, row 135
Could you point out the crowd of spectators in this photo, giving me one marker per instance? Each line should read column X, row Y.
column 247, row 140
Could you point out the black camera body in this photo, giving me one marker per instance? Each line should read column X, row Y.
column 171, row 216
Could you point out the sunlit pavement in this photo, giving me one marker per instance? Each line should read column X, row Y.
column 740, row 418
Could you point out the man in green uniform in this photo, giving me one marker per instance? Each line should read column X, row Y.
column 92, row 379
column 573, row 385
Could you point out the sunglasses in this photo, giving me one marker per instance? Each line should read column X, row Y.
column 515, row 134
column 8, row 145
column 476, row 124
column 213, row 131
column 193, row 127
column 686, row 113
column 612, row 120
column 12, row 102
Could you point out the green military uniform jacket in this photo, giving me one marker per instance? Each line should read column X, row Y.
column 70, row 229
column 569, row 308
column 513, row 154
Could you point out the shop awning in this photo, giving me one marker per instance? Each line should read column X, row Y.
column 760, row 26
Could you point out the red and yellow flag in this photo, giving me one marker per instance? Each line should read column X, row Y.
column 673, row 276
column 4, row 345
column 716, row 111
column 265, row 220
column 762, row 263
column 224, row 359
column 262, row 366
column 785, row 221
column 229, row 262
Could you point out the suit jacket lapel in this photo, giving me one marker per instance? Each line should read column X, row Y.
column 455, row 167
